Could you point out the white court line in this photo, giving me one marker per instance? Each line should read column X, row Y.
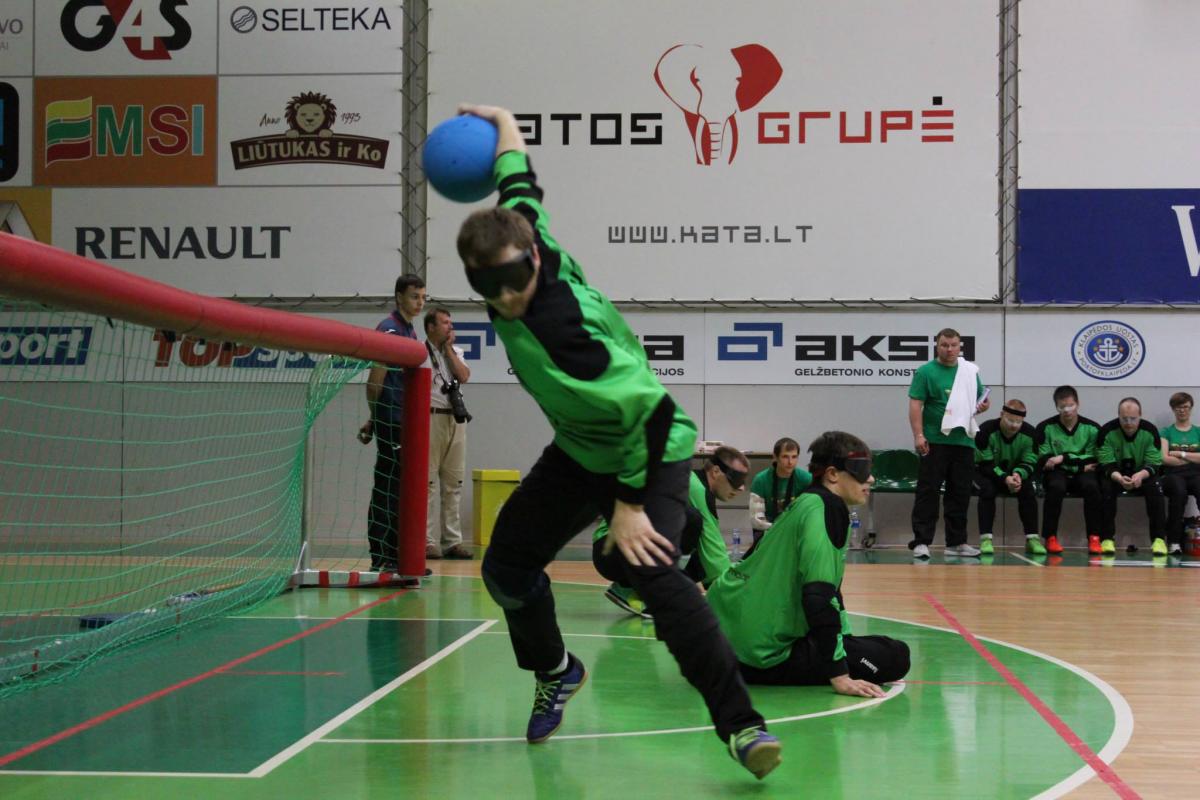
column 1122, row 713
column 894, row 691
column 1026, row 560
column 302, row 744
column 368, row 619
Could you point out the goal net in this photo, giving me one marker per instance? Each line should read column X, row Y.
column 157, row 457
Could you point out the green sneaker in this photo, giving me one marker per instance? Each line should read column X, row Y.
column 1108, row 547
column 1034, row 546
column 985, row 546
column 1159, row 548
column 627, row 599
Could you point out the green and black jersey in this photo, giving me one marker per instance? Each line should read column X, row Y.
column 1078, row 446
column 1128, row 454
column 1000, row 456
column 577, row 357
column 789, row 587
column 1188, row 441
column 711, row 548
column 777, row 493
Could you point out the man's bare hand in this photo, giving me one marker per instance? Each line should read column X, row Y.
column 631, row 532
column 921, row 444
column 366, row 432
column 1013, row 482
column 844, row 684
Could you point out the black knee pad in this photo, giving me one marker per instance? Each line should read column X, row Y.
column 512, row 588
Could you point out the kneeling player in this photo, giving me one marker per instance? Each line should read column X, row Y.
column 781, row 607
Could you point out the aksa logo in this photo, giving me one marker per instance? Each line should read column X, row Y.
column 10, row 131
column 1108, row 350
column 126, row 131
column 710, row 87
column 245, row 19
column 472, row 337
column 766, row 335
column 310, row 139
column 150, row 30
column 37, row 346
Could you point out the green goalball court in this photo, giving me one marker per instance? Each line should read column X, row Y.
column 362, row 693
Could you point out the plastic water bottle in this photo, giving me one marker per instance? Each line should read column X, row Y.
column 737, row 543
column 855, row 530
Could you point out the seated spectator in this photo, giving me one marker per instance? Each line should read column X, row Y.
column 1005, row 460
column 781, row 606
column 1130, row 457
column 722, row 478
column 774, row 488
column 1067, row 461
column 1181, row 467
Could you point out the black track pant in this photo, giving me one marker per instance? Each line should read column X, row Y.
column 1151, row 490
column 956, row 466
column 1177, row 487
column 381, row 516
column 878, row 659
column 1057, row 483
column 990, row 486
column 558, row 499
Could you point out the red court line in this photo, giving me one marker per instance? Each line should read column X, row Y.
column 30, row 749
column 1106, row 773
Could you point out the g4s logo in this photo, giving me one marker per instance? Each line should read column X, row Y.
column 151, row 29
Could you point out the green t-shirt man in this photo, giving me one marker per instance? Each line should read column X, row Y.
column 931, row 384
column 778, row 493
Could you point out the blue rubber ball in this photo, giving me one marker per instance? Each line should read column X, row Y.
column 458, row 158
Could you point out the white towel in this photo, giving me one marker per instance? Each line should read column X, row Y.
column 960, row 407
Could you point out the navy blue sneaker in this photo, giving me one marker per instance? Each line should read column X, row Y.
column 549, row 698
column 756, row 750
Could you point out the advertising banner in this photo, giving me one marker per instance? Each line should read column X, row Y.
column 125, row 37
column 125, row 131
column 853, row 348
column 1104, row 347
column 240, row 241
column 16, row 38
column 768, row 150
column 310, row 130
column 1110, row 171
column 16, row 131
column 309, row 37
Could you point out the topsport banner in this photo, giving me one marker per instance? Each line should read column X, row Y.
column 1110, row 171
column 775, row 150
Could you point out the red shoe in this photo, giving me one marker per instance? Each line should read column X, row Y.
column 1052, row 545
column 1094, row 544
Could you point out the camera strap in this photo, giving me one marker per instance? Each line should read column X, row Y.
column 437, row 365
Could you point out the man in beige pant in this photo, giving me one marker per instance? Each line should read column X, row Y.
column 447, row 440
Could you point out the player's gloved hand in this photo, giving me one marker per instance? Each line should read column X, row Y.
column 632, row 533
column 844, row 684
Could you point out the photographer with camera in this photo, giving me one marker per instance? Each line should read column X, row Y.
column 447, row 438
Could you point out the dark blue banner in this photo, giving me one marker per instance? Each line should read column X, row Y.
column 1108, row 246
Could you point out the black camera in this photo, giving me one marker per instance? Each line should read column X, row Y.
column 453, row 392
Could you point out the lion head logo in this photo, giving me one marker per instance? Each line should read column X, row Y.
column 310, row 114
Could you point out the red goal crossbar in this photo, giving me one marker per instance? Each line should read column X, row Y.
column 34, row 271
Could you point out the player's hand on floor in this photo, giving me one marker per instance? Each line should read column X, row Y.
column 631, row 532
column 844, row 684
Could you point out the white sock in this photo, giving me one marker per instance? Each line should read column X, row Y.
column 985, row 536
column 1031, row 536
column 562, row 667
